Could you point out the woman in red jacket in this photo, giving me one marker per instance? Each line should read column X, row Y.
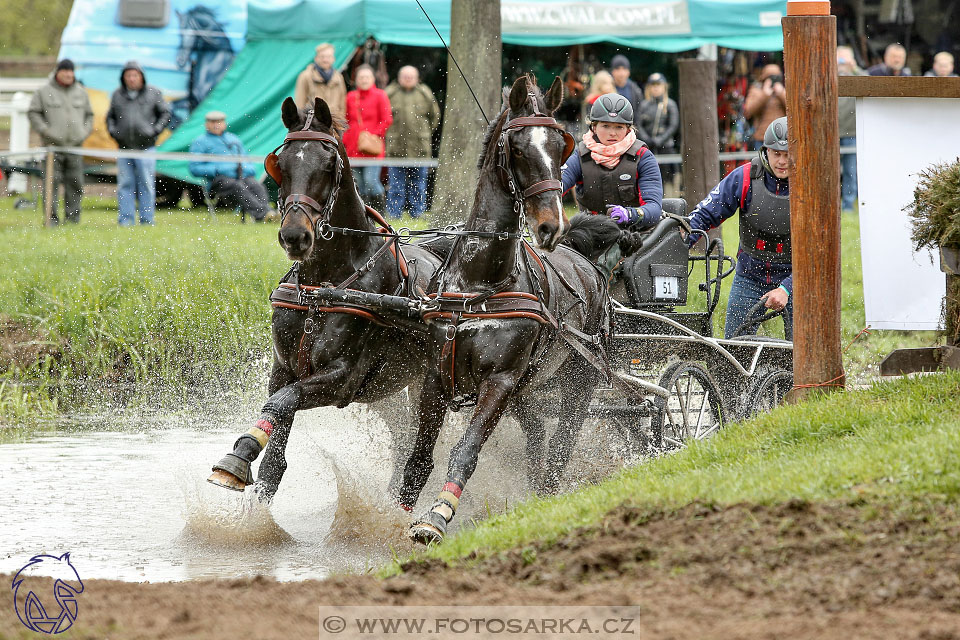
column 368, row 110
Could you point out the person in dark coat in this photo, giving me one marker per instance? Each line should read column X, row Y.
column 620, row 70
column 894, row 61
column 658, row 121
column 137, row 115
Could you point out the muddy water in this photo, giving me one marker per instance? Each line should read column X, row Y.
column 127, row 497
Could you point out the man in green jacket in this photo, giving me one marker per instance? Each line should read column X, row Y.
column 61, row 113
column 415, row 116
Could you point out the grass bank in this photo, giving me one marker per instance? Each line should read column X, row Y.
column 895, row 441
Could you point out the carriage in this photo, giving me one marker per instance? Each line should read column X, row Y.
column 697, row 382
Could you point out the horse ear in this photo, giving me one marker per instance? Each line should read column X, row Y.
column 554, row 95
column 321, row 112
column 290, row 113
column 518, row 94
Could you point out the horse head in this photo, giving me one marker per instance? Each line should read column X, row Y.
column 309, row 167
column 534, row 151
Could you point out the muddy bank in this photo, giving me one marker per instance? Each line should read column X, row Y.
column 871, row 570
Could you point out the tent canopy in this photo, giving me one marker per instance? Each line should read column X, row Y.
column 281, row 37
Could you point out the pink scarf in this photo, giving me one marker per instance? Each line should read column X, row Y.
column 608, row 155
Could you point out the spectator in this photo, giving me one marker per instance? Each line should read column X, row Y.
column 368, row 118
column 415, row 116
column 942, row 66
column 60, row 112
column 765, row 102
column 231, row 183
column 847, row 66
column 321, row 80
column 620, row 70
column 137, row 115
column 894, row 59
column 658, row 121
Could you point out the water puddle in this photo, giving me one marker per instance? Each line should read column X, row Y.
column 129, row 500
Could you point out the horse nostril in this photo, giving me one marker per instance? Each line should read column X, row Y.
column 546, row 232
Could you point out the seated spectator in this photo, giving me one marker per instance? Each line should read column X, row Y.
column 942, row 66
column 765, row 102
column 415, row 116
column 368, row 118
column 894, row 59
column 233, row 184
column 321, row 80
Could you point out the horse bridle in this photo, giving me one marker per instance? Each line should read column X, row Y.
column 302, row 201
column 505, row 167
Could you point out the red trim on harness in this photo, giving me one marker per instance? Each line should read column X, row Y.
column 761, row 244
column 779, row 247
column 265, row 426
column 746, row 185
column 453, row 488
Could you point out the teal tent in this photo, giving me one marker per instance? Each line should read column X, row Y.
column 281, row 37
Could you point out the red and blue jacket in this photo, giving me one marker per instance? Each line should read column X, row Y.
column 649, row 185
column 734, row 193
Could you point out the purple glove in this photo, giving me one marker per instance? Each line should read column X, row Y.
column 621, row 214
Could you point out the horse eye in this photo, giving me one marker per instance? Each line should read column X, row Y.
column 518, row 153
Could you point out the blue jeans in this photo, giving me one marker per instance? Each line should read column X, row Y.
column 368, row 182
column 745, row 293
column 848, row 175
column 136, row 186
column 407, row 187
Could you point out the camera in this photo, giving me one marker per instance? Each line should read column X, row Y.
column 774, row 79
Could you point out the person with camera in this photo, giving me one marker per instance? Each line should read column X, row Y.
column 765, row 102
column 614, row 172
column 760, row 191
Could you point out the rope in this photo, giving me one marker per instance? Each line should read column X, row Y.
column 834, row 382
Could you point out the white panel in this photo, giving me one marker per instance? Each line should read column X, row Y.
column 896, row 139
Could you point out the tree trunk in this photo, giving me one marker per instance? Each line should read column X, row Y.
column 698, row 119
column 475, row 42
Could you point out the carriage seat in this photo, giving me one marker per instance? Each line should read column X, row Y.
column 655, row 274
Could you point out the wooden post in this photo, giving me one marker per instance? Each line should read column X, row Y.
column 48, row 193
column 810, row 66
column 699, row 131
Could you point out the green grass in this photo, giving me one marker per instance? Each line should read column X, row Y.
column 895, row 439
column 184, row 303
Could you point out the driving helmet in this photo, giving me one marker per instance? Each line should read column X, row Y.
column 612, row 107
column 775, row 137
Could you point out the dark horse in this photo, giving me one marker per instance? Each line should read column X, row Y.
column 327, row 355
column 508, row 315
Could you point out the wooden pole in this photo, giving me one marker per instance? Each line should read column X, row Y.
column 699, row 131
column 48, row 191
column 810, row 65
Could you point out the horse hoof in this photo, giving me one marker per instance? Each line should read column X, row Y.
column 226, row 480
column 425, row 533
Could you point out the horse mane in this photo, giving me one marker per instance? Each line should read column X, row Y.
column 591, row 235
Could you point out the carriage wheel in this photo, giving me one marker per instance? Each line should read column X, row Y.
column 694, row 410
column 769, row 390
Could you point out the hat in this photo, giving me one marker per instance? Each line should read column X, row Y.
column 618, row 61
column 66, row 63
column 655, row 78
column 215, row 115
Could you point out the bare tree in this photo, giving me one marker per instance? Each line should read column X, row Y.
column 475, row 42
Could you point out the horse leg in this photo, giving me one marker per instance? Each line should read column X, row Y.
column 574, row 403
column 431, row 410
column 233, row 470
column 494, row 393
column 533, row 428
